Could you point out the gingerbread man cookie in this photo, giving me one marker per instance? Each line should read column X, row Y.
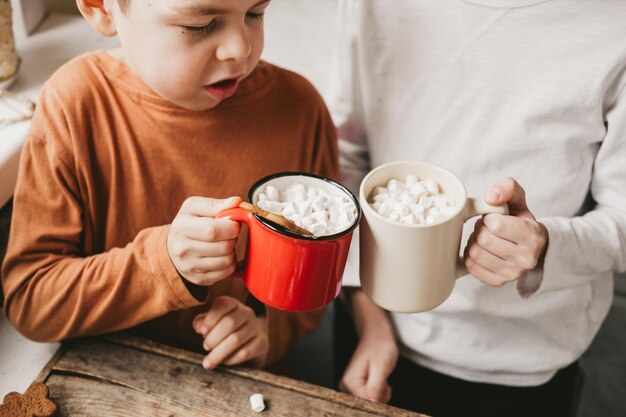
column 34, row 403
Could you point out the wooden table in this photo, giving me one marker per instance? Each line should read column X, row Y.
column 125, row 376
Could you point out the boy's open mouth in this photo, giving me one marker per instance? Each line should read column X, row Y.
column 223, row 89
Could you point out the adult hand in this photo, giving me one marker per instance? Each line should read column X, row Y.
column 503, row 248
column 376, row 354
column 368, row 370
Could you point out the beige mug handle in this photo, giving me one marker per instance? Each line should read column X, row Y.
column 475, row 206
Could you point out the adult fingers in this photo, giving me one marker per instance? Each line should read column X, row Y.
column 504, row 268
column 354, row 378
column 507, row 190
column 515, row 239
column 483, row 274
column 492, row 241
column 377, row 388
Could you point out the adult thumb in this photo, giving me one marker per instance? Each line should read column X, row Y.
column 507, row 190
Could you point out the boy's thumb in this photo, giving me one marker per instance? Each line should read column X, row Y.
column 216, row 206
column 507, row 190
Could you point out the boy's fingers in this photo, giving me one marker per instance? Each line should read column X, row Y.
column 507, row 190
column 228, row 346
column 208, row 207
column 211, row 277
column 221, row 307
column 199, row 249
column 213, row 263
column 229, row 324
column 206, row 229
column 249, row 351
column 197, row 322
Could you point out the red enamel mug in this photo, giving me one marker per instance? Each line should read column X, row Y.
column 286, row 270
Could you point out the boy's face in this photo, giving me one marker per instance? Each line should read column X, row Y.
column 191, row 52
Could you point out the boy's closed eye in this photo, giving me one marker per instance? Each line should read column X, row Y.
column 256, row 12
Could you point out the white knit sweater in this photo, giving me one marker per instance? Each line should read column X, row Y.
column 530, row 89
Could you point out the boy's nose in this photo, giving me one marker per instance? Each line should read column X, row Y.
column 235, row 45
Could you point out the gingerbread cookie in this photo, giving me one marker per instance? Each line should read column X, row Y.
column 33, row 403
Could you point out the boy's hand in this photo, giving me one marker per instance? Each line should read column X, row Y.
column 232, row 334
column 202, row 248
column 504, row 248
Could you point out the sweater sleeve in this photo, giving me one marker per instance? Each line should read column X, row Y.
column 53, row 289
column 589, row 246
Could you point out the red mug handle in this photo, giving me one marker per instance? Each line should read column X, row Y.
column 238, row 214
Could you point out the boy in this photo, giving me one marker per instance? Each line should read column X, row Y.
column 122, row 145
column 535, row 89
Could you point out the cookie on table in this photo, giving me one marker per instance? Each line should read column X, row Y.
column 33, row 403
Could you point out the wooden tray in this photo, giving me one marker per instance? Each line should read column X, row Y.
column 121, row 375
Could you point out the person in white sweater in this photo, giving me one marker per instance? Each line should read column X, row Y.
column 531, row 89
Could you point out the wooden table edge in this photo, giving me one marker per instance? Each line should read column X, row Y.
column 280, row 381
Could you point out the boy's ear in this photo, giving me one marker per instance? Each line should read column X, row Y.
column 98, row 16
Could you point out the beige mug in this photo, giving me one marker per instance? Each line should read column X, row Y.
column 409, row 268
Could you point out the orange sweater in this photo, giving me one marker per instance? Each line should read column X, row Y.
column 105, row 169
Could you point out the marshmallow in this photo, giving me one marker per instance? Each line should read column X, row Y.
column 317, row 209
column 401, row 209
column 289, row 209
column 431, row 186
column 318, row 229
column 411, row 179
column 407, row 198
column 380, row 198
column 384, row 210
column 395, row 186
column 418, row 189
column 416, row 209
column 412, row 201
column 408, row 219
column 257, row 403
column 426, row 202
column 272, row 193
